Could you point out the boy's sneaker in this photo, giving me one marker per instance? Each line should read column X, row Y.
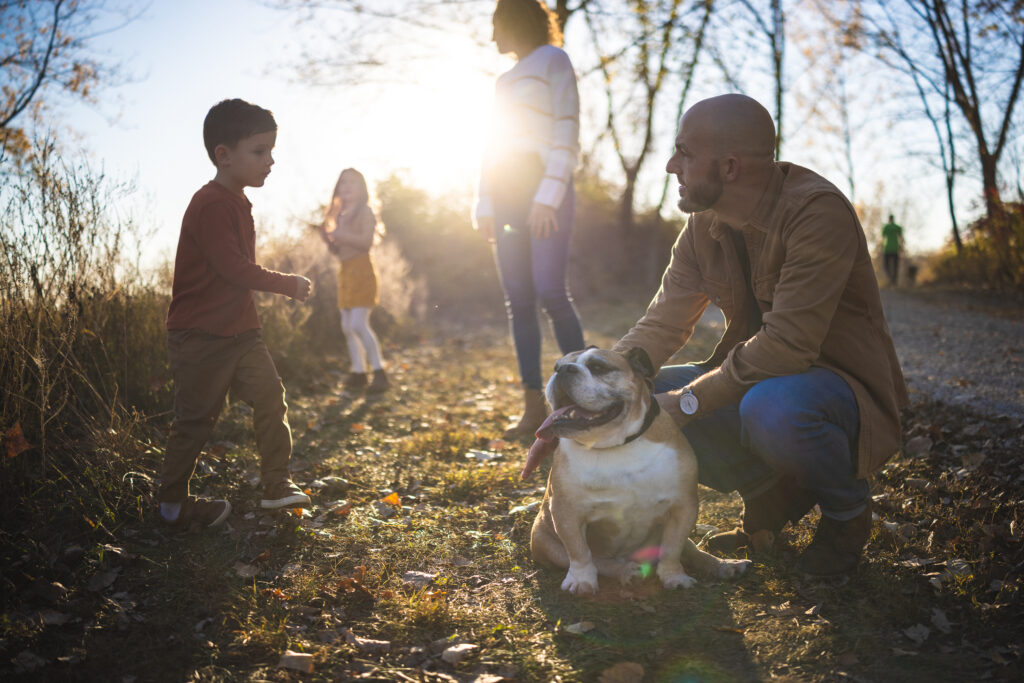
column 354, row 382
column 284, row 494
column 200, row 512
column 380, row 383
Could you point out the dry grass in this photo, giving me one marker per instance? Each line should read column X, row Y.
column 226, row 604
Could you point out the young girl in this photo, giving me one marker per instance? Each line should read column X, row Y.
column 349, row 228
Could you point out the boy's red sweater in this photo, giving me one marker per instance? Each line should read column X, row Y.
column 215, row 270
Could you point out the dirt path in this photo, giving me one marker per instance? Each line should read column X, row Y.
column 961, row 349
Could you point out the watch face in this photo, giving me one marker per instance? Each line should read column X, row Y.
column 688, row 403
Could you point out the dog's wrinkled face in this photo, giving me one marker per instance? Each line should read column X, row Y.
column 595, row 388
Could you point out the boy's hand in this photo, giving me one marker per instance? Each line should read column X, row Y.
column 302, row 288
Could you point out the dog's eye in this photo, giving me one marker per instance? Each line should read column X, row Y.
column 599, row 368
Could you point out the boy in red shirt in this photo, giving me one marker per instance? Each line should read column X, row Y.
column 214, row 338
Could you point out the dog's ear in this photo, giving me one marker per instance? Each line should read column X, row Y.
column 640, row 361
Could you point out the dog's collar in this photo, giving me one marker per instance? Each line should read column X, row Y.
column 652, row 412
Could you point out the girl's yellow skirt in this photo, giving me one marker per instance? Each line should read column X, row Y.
column 357, row 283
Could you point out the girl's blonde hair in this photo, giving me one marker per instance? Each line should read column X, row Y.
column 364, row 199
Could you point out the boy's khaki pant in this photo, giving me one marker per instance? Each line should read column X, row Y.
column 204, row 367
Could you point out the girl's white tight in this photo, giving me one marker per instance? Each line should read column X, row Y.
column 362, row 342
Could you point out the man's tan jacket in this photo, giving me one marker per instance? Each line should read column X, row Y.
column 815, row 285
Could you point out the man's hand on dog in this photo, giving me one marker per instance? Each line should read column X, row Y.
column 669, row 402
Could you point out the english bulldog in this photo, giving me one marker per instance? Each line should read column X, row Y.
column 622, row 491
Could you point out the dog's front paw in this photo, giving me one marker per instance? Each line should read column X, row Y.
column 673, row 575
column 728, row 569
column 581, row 580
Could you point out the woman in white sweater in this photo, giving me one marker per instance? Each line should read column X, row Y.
column 526, row 199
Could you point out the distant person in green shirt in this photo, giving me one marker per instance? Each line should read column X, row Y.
column 892, row 245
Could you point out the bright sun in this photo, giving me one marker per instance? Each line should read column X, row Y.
column 444, row 126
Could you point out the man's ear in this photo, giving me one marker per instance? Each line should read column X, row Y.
column 729, row 168
column 640, row 361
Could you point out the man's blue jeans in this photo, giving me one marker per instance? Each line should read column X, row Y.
column 803, row 426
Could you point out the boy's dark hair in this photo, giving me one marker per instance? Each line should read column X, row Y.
column 530, row 21
column 229, row 121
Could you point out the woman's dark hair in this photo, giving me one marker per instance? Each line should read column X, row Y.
column 531, row 21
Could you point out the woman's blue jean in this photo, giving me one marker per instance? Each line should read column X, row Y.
column 802, row 426
column 533, row 270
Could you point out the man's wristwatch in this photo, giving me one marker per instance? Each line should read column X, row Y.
column 688, row 403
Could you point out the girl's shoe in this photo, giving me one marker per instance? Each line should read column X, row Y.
column 380, row 383
column 354, row 382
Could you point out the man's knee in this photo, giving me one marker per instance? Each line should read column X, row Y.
column 770, row 421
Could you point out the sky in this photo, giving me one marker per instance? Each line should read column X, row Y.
column 182, row 57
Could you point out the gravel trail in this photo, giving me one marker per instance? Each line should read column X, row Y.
column 960, row 349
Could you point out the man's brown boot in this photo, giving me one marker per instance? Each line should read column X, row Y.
column 764, row 515
column 535, row 410
column 836, row 546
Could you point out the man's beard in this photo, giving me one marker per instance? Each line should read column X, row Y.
column 702, row 196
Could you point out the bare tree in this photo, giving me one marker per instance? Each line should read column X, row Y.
column 45, row 45
column 769, row 19
column 652, row 41
column 969, row 52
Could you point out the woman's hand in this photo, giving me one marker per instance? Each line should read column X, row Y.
column 485, row 225
column 542, row 221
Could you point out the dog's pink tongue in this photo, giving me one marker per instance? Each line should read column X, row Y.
column 540, row 449
column 544, row 445
column 544, row 431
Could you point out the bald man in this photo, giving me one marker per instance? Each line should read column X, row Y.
column 799, row 403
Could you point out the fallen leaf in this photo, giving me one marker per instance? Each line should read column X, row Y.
column 392, row 499
column 847, row 659
column 940, row 621
column 367, row 644
column 917, row 633
column 958, row 567
column 972, row 461
column 623, row 672
column 482, row 456
column 246, row 571
column 418, row 579
column 276, row 593
column 27, row 661
column 497, row 444
column 728, row 629
column 103, row 580
column 357, row 427
column 529, row 507
column 580, row 628
column 16, row 443
column 918, row 446
column 328, row 636
column 51, row 617
column 456, row 653
column 297, row 661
